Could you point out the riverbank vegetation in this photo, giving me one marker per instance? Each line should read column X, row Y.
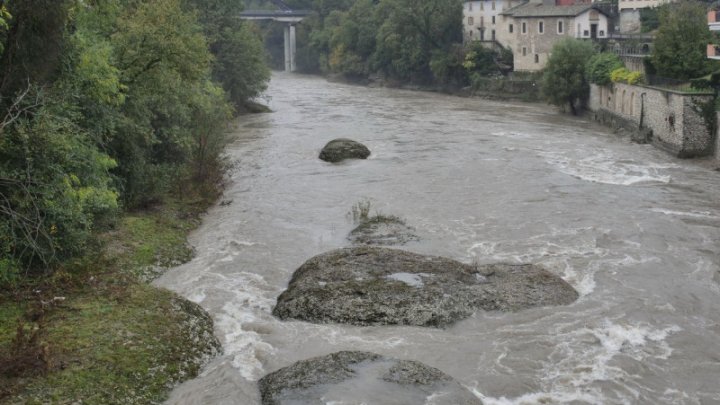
column 113, row 117
column 395, row 42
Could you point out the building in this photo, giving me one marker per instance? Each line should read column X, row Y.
column 481, row 18
column 713, row 50
column 533, row 28
column 629, row 10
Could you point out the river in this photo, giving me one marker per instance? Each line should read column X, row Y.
column 633, row 229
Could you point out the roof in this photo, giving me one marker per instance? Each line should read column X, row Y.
column 540, row 10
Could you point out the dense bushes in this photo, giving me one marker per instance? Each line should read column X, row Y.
column 110, row 104
column 601, row 66
column 623, row 75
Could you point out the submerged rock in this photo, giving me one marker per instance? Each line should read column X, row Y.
column 380, row 286
column 382, row 230
column 341, row 149
column 361, row 377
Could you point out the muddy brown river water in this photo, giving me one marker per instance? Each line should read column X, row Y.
column 635, row 231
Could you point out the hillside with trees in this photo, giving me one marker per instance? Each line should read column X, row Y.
column 399, row 41
column 113, row 118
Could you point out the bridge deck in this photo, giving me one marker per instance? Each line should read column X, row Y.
column 275, row 14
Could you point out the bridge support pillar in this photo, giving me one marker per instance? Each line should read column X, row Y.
column 290, row 48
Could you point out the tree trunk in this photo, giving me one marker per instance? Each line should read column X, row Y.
column 573, row 110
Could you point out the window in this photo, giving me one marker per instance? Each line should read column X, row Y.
column 469, row 5
column 510, row 28
column 586, row 33
column 471, row 21
column 541, row 27
column 560, row 27
column 537, row 57
column 524, row 27
column 482, row 7
column 524, row 51
column 493, row 6
column 493, row 19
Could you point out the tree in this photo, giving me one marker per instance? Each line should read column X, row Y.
column 32, row 45
column 353, row 40
column 239, row 63
column 564, row 81
column 411, row 32
column 681, row 41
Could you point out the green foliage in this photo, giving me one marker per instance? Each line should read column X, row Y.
column 650, row 18
column 681, row 41
column 4, row 18
column 600, row 66
column 33, row 45
column 55, row 185
column 619, row 75
column 237, row 48
column 701, row 84
column 352, row 39
column 404, row 40
column 127, row 114
column 448, row 68
column 482, row 62
column 411, row 32
column 623, row 75
column 564, row 80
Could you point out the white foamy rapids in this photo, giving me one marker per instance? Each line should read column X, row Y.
column 539, row 250
column 608, row 169
column 585, row 359
column 574, row 254
column 692, row 214
column 238, row 320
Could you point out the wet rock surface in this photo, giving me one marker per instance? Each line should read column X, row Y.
column 342, row 148
column 362, row 377
column 383, row 230
column 381, row 286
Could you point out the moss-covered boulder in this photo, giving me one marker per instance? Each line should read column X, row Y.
column 380, row 286
column 361, row 377
column 342, row 148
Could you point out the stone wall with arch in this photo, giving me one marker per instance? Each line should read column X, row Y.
column 677, row 122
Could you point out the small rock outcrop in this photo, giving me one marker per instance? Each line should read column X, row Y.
column 361, row 377
column 382, row 230
column 380, row 286
column 341, row 149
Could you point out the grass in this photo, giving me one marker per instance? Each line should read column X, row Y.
column 360, row 214
column 110, row 338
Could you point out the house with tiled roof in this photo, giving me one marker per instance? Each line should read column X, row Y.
column 531, row 29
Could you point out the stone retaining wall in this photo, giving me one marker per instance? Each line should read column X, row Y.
column 681, row 123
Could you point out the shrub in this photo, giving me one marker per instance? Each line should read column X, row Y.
column 600, row 67
column 623, row 75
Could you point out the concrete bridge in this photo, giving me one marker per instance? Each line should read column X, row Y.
column 287, row 16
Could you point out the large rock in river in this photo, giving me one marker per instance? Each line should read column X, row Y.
column 341, row 149
column 362, row 378
column 380, row 286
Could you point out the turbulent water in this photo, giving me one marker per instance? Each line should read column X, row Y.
column 634, row 230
